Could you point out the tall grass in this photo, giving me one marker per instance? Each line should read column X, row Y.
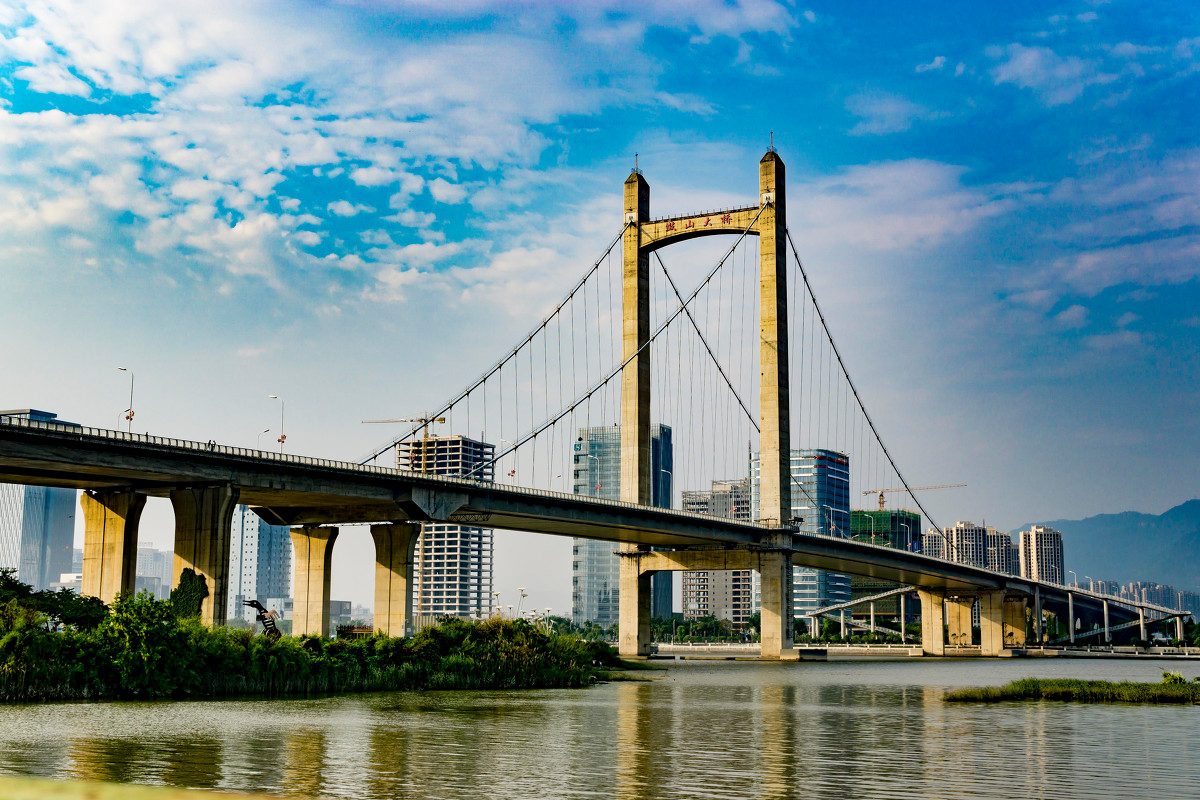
column 1078, row 691
column 143, row 650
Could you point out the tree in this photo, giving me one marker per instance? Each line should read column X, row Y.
column 189, row 594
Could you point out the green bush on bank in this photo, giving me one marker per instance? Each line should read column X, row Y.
column 143, row 649
column 1173, row 689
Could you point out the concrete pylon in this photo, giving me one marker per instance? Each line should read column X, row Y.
column 775, row 437
column 203, row 517
column 310, row 587
column 933, row 639
column 110, row 534
column 635, row 333
column 776, row 619
column 394, row 547
column 633, row 630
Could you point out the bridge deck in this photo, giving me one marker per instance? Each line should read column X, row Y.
column 293, row 490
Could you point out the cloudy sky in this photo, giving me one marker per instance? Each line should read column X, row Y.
column 356, row 206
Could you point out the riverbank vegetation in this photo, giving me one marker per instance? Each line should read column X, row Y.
column 143, row 648
column 1174, row 688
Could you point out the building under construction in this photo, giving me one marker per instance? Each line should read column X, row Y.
column 452, row 573
column 887, row 528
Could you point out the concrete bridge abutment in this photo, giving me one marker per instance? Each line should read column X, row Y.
column 110, row 537
column 310, row 586
column 395, row 544
column 203, row 521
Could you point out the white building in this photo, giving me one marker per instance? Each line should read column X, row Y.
column 966, row 543
column 452, row 573
column 1041, row 554
column 260, row 562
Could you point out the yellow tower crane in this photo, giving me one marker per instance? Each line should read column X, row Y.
column 881, row 492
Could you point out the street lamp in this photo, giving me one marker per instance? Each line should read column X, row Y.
column 521, row 589
column 129, row 411
column 1076, row 582
column 509, row 607
column 282, row 436
column 496, row 602
column 594, row 487
column 832, row 529
column 258, row 441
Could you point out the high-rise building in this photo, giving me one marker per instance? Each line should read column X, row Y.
column 1002, row 554
column 595, row 569
column 724, row 594
column 260, row 562
column 37, row 523
column 821, row 503
column 1188, row 601
column 452, row 574
column 1041, row 554
column 1149, row 592
column 154, row 571
column 966, row 543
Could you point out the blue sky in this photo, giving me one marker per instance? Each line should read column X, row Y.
column 330, row 202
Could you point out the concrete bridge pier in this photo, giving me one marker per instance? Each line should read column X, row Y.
column 310, row 587
column 395, row 544
column 1015, row 611
column 634, row 603
column 958, row 620
column 991, row 624
column 933, row 614
column 203, row 520
column 110, row 534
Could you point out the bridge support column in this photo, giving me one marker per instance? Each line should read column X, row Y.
column 1141, row 623
column 1107, row 632
column 203, row 516
column 394, row 547
column 1071, row 616
column 634, row 604
column 991, row 624
column 933, row 642
column 903, row 619
column 110, row 533
column 775, row 613
column 1039, row 620
column 1015, row 609
column 310, row 587
column 959, row 620
column 1179, row 628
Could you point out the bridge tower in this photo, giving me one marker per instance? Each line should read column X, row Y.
column 771, row 557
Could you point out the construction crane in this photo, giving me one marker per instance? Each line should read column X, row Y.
column 425, row 423
column 881, row 492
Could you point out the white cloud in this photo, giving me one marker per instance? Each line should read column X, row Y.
column 884, row 113
column 344, row 208
column 1055, row 79
column 936, row 64
column 1075, row 316
column 445, row 192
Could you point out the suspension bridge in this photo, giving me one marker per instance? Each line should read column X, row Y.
column 743, row 377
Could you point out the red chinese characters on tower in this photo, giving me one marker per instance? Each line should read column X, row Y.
column 708, row 222
column 671, row 226
column 691, row 223
column 726, row 218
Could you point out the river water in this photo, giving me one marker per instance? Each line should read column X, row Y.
column 849, row 729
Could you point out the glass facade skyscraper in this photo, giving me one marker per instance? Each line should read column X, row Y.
column 37, row 523
column 821, row 501
column 595, row 569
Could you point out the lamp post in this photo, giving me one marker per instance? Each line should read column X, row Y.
column 258, row 440
column 520, row 600
column 832, row 529
column 282, row 435
column 1076, row 577
column 594, row 486
column 129, row 411
column 671, row 476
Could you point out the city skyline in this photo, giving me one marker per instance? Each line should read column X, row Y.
column 1010, row 205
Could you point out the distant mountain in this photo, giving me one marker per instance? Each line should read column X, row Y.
column 1135, row 547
